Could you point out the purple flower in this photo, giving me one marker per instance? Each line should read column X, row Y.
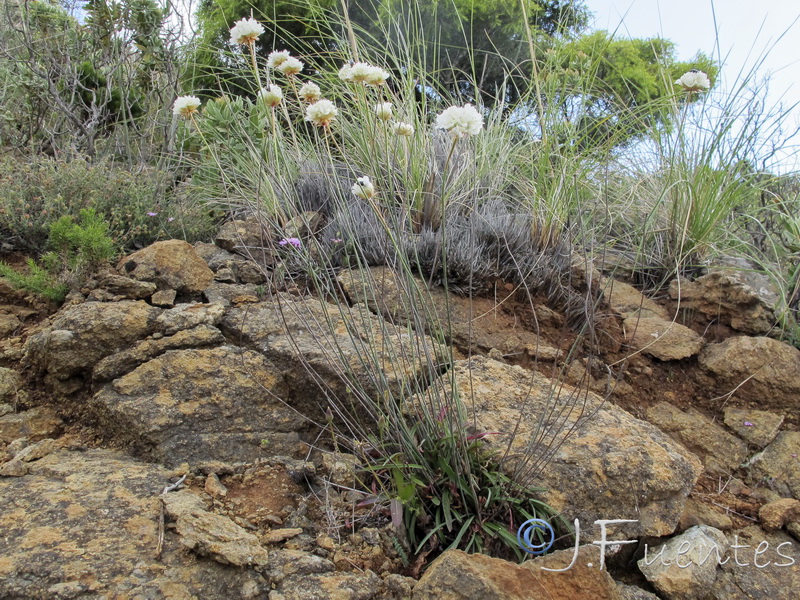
column 152, row 214
column 293, row 241
column 336, row 240
column 748, row 424
column 170, row 220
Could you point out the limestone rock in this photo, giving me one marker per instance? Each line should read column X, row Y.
column 83, row 334
column 778, row 465
column 210, row 534
column 172, row 264
column 84, row 524
column 662, row 339
column 342, row 351
column 777, row 514
column 721, row 452
column 35, row 424
column 456, row 575
column 757, row 427
column 125, row 287
column 388, row 295
column 771, row 368
column 627, row 468
column 679, row 569
column 626, row 301
column 741, row 298
column 759, row 568
column 10, row 384
column 126, row 361
column 201, row 405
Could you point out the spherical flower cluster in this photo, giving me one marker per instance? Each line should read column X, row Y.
column 384, row 111
column 363, row 73
column 186, row 106
column 363, row 188
column 246, row 31
column 276, row 58
column 694, row 81
column 403, row 129
column 290, row 66
column 322, row 113
column 309, row 92
column 461, row 121
column 271, row 95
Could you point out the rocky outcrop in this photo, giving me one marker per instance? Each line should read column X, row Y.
column 320, row 346
column 81, row 335
column 456, row 575
column 762, row 370
column 627, row 468
column 172, row 264
column 735, row 295
column 778, row 465
column 195, row 406
column 85, row 524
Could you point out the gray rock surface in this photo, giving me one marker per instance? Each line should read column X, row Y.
column 778, row 466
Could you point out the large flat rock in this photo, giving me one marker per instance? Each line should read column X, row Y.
column 85, row 525
column 223, row 403
column 595, row 460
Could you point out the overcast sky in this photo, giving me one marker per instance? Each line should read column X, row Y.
column 738, row 32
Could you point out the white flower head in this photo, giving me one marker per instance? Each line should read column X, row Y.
column 322, row 113
column 694, row 81
column 271, row 95
column 363, row 188
column 309, row 92
column 403, row 129
column 377, row 76
column 344, row 72
column 276, row 58
column 290, row 66
column 186, row 105
column 384, row 111
column 359, row 72
column 246, row 31
column 461, row 121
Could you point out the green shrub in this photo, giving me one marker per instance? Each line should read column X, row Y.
column 37, row 280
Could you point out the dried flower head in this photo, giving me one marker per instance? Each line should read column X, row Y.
column 309, row 92
column 384, row 111
column 322, row 113
column 186, row 106
column 461, row 121
column 290, row 66
column 271, row 95
column 404, row 129
column 276, row 58
column 363, row 188
column 694, row 81
column 246, row 31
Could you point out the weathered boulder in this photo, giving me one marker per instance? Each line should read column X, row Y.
column 10, row 384
column 81, row 335
column 125, row 287
column 762, row 565
column 242, row 236
column 779, row 513
column 227, row 294
column 223, row 404
column 721, row 452
column 466, row 323
column 757, row 427
column 339, row 349
column 662, row 339
column 172, row 264
column 685, row 567
column 778, row 465
column 626, row 301
column 595, row 460
column 85, row 524
column 737, row 296
column 457, row 575
column 35, row 424
column 187, row 316
column 764, row 371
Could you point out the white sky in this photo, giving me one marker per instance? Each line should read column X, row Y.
column 739, row 33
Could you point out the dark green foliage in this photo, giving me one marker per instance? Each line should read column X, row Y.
column 37, row 280
column 86, row 243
